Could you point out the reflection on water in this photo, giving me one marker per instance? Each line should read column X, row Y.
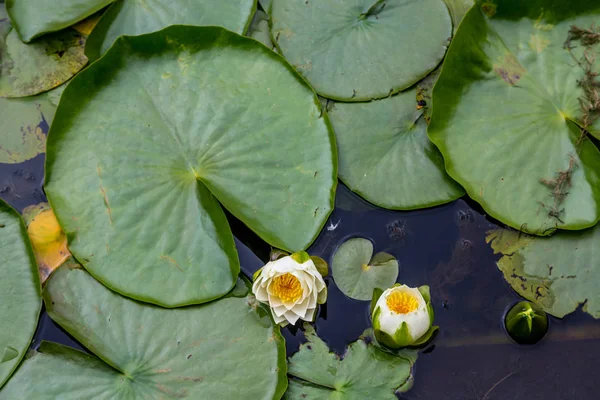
column 472, row 357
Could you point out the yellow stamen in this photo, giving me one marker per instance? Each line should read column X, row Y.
column 287, row 287
column 402, row 302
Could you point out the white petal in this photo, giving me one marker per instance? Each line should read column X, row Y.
column 301, row 308
column 279, row 311
column 310, row 314
column 417, row 321
column 292, row 317
column 280, row 320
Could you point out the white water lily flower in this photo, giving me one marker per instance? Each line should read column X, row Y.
column 403, row 317
column 292, row 286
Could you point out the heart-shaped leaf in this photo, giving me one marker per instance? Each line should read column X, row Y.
column 33, row 18
column 148, row 138
column 508, row 109
column 140, row 17
column 29, row 69
column 20, row 299
column 356, row 274
column 361, row 50
column 558, row 273
column 228, row 349
column 386, row 156
column 365, row 372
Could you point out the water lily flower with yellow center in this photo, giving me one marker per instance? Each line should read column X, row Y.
column 403, row 316
column 292, row 286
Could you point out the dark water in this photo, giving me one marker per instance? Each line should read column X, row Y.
column 472, row 357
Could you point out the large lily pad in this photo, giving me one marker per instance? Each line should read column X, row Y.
column 364, row 49
column 23, row 126
column 365, row 372
column 228, row 349
column 29, row 69
column 357, row 272
column 386, row 156
column 508, row 112
column 135, row 17
column 148, row 138
column 558, row 273
column 20, row 298
column 33, row 18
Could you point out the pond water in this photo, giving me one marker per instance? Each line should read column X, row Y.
column 444, row 247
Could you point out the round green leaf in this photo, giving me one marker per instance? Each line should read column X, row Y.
column 22, row 126
column 149, row 137
column 507, row 115
column 137, row 17
column 33, row 18
column 357, row 274
column 386, row 156
column 228, row 349
column 364, row 49
column 558, row 273
column 365, row 372
column 20, row 299
column 29, row 69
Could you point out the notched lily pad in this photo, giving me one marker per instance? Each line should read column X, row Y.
column 33, row 18
column 29, row 69
column 509, row 108
column 141, row 17
column 150, row 138
column 365, row 372
column 20, row 298
column 221, row 350
column 394, row 43
column 386, row 156
column 259, row 29
column 357, row 272
column 558, row 273
column 47, row 238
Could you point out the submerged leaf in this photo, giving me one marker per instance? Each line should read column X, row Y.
column 47, row 238
column 140, row 17
column 29, row 69
column 20, row 299
column 366, row 372
column 386, row 156
column 149, row 139
column 361, row 50
column 357, row 274
column 558, row 273
column 33, row 18
column 508, row 115
column 221, row 350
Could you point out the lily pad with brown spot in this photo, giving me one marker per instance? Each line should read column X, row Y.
column 511, row 109
column 30, row 69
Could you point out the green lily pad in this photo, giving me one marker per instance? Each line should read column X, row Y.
column 23, row 124
column 33, row 18
column 365, row 372
column 458, row 9
column 558, row 273
column 507, row 114
column 357, row 274
column 20, row 298
column 361, row 50
column 386, row 156
column 139, row 17
column 149, row 139
column 228, row 349
column 29, row 69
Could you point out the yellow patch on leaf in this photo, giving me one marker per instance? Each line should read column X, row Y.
column 48, row 240
column 86, row 26
column 538, row 43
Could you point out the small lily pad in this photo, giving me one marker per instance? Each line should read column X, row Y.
column 361, row 50
column 20, row 298
column 386, row 157
column 227, row 349
column 33, row 18
column 365, row 372
column 357, row 272
column 140, row 17
column 558, row 273
column 29, row 69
